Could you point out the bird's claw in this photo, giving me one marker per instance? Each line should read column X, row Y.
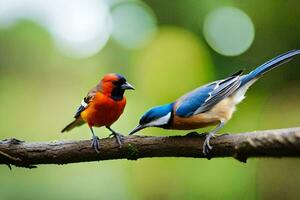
column 206, row 146
column 96, row 144
column 119, row 137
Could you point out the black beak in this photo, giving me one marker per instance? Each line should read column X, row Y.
column 136, row 129
column 127, row 86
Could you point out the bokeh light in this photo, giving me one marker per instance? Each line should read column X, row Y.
column 133, row 24
column 229, row 31
column 174, row 56
column 80, row 28
column 40, row 90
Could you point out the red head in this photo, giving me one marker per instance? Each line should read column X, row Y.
column 114, row 85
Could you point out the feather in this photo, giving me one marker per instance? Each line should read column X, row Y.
column 267, row 66
column 76, row 122
column 205, row 97
column 86, row 100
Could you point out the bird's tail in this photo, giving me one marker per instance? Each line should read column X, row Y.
column 267, row 66
column 77, row 122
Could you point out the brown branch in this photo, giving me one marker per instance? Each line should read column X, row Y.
column 270, row 143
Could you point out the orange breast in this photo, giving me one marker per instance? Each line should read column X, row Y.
column 103, row 110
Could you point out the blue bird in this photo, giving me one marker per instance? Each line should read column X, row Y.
column 208, row 105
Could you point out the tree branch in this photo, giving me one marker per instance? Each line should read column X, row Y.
column 270, row 143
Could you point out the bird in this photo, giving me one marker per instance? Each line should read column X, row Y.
column 212, row 104
column 102, row 106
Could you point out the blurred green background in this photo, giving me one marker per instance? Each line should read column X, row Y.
column 53, row 52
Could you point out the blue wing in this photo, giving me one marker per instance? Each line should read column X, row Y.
column 205, row 97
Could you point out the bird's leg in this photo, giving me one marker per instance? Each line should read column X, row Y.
column 119, row 137
column 95, row 141
column 206, row 146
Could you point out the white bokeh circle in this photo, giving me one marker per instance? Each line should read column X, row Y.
column 229, row 31
column 133, row 24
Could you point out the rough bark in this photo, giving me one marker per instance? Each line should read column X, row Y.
column 269, row 143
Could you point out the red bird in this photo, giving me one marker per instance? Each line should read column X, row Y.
column 102, row 106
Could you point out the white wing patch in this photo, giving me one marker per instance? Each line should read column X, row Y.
column 84, row 104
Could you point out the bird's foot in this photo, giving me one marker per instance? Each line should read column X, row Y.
column 96, row 143
column 206, row 146
column 119, row 138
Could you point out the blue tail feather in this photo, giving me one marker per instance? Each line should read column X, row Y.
column 267, row 66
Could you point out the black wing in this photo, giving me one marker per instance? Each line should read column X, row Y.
column 85, row 102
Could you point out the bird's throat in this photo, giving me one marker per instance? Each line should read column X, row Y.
column 117, row 94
